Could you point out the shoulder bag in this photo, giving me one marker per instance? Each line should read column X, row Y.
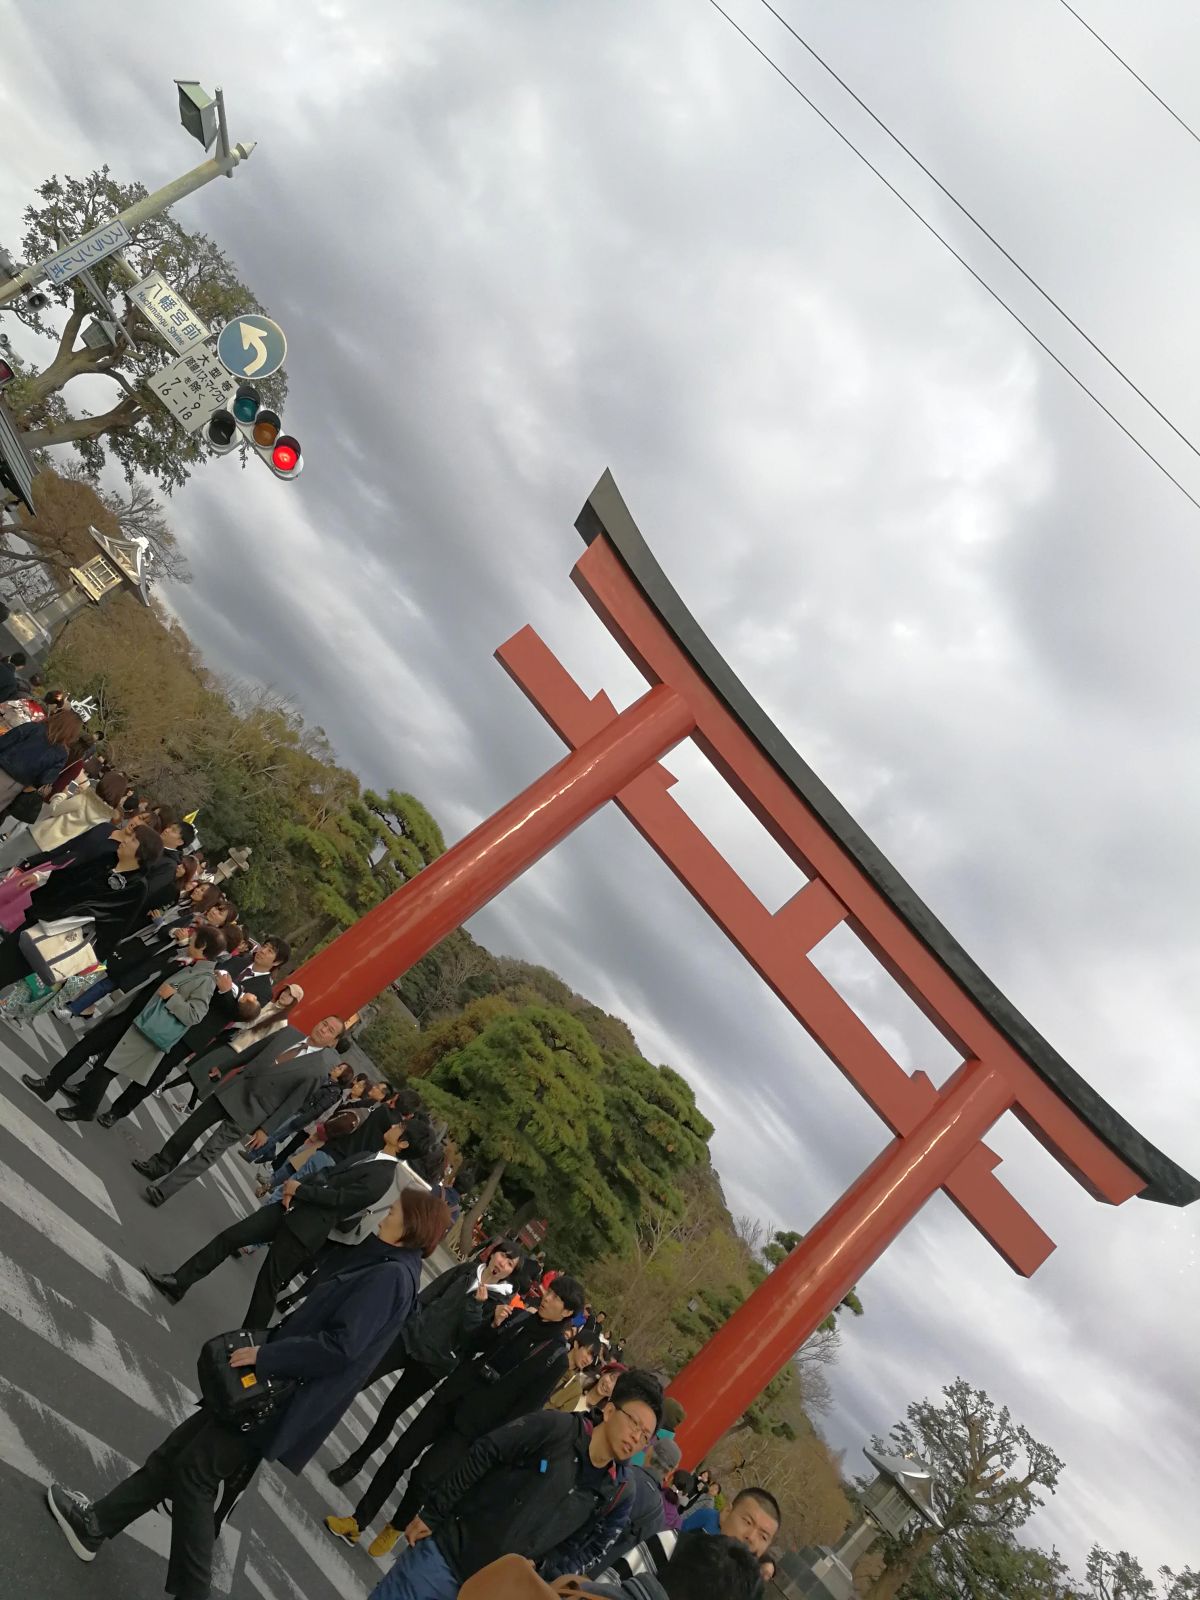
column 60, row 949
column 237, row 1397
column 162, row 1027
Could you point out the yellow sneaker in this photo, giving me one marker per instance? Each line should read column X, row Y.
column 344, row 1528
column 384, row 1540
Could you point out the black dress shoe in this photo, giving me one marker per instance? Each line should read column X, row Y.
column 167, row 1284
column 154, row 1194
column 39, row 1086
column 106, row 1119
column 72, row 1090
column 75, row 1114
column 151, row 1167
column 341, row 1476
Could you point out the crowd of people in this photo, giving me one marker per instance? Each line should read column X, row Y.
column 539, row 1457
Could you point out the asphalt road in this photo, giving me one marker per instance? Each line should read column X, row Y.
column 96, row 1368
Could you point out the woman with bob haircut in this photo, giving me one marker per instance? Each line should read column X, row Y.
column 326, row 1347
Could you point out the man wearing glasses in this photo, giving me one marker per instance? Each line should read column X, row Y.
column 550, row 1487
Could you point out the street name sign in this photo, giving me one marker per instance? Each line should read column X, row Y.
column 70, row 261
column 252, row 347
column 168, row 312
column 193, row 386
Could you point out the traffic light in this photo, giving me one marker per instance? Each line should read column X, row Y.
column 262, row 430
column 221, row 434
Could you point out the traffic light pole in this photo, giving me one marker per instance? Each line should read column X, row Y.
column 141, row 210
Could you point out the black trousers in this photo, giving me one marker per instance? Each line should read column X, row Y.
column 445, row 1455
column 99, row 1041
column 205, row 1117
column 268, row 1225
column 187, row 1469
column 179, row 1052
column 131, row 1098
column 414, row 1381
column 431, row 1427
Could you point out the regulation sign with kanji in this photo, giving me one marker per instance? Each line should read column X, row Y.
column 193, row 386
column 165, row 309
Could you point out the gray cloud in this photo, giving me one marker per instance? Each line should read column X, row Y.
column 516, row 245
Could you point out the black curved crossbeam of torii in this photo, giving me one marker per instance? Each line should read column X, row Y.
column 606, row 518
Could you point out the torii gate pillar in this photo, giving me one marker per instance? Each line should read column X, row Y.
column 937, row 1134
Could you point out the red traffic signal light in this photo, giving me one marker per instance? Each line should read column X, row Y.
column 7, row 373
column 286, row 461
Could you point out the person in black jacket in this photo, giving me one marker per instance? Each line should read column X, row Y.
column 111, row 894
column 550, row 1487
column 513, row 1373
column 325, row 1348
column 249, row 973
column 427, row 1349
column 295, row 1228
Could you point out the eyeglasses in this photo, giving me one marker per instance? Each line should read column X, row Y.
column 643, row 1432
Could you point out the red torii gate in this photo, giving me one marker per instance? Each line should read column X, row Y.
column 937, row 1133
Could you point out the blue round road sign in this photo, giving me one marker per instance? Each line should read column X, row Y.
column 251, row 347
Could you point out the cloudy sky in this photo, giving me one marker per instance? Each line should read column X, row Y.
column 513, row 244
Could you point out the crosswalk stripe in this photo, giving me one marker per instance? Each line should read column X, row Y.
column 155, row 1114
column 28, row 1052
column 20, row 1053
column 22, row 1415
column 268, row 1587
column 52, row 1317
column 35, row 1044
column 39, row 1142
column 74, row 1240
column 324, row 1553
column 47, row 1031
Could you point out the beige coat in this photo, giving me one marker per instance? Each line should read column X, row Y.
column 135, row 1056
column 68, row 815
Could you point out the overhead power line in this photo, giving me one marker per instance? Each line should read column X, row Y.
column 975, row 222
column 1083, row 23
column 962, row 261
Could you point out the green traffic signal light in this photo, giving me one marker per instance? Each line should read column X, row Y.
column 245, row 403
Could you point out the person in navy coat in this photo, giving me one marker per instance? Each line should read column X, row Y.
column 328, row 1346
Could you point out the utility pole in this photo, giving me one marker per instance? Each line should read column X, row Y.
column 220, row 165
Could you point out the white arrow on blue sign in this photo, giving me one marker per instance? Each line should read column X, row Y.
column 251, row 347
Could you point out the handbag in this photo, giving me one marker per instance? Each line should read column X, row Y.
column 162, row 1027
column 238, row 1397
column 27, row 807
column 60, row 949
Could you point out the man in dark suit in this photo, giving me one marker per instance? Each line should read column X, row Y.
column 271, row 1082
column 295, row 1227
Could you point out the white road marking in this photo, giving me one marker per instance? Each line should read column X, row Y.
column 50, row 1315
column 257, row 1558
column 323, row 1551
column 15, row 1066
column 41, row 1143
column 74, row 1240
column 28, row 1036
column 22, row 1415
column 158, row 1117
